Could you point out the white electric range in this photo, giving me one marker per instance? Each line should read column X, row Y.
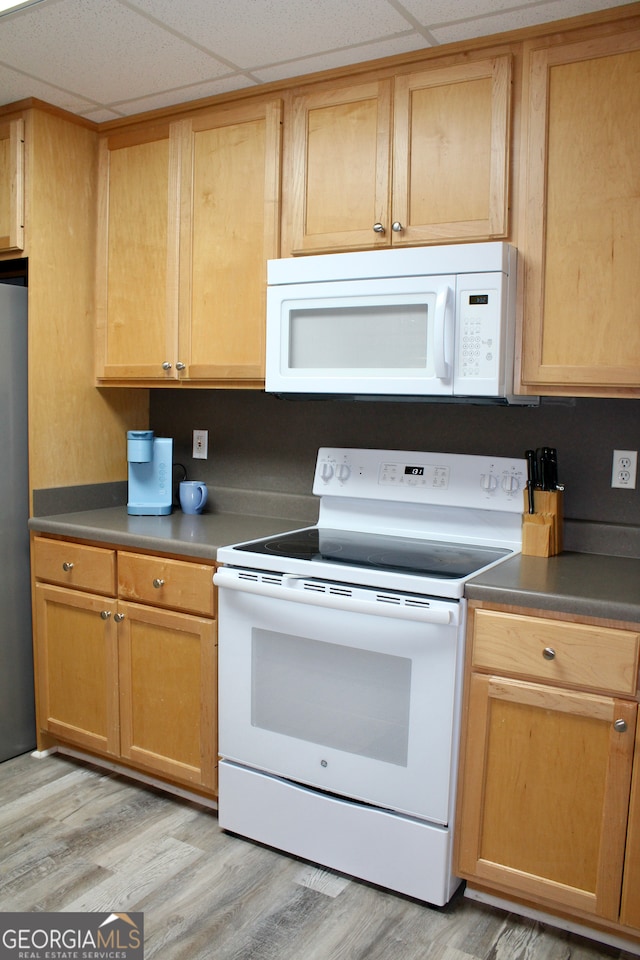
column 340, row 662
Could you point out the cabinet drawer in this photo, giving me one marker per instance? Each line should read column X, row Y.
column 552, row 650
column 178, row 584
column 75, row 565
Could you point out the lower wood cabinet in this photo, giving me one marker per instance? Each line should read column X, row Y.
column 547, row 760
column 168, row 680
column 128, row 680
column 77, row 667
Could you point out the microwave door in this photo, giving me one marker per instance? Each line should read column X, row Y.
column 371, row 337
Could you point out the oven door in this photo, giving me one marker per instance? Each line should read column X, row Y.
column 348, row 689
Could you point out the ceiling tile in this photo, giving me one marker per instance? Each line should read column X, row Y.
column 251, row 34
column 330, row 61
column 15, row 85
column 126, row 54
column 185, row 94
column 514, row 19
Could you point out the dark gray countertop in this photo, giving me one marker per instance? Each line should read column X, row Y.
column 587, row 584
column 593, row 585
column 176, row 533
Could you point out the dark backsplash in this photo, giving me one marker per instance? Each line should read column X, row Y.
column 261, row 442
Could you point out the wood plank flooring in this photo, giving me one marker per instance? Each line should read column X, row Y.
column 76, row 838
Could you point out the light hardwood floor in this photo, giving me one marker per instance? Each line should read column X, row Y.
column 76, row 838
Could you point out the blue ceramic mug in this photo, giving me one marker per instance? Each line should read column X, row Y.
column 193, row 496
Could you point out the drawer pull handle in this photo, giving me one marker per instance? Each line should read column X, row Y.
column 158, row 583
column 119, row 617
column 620, row 725
column 105, row 614
column 549, row 653
column 67, row 566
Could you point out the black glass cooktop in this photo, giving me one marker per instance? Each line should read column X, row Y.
column 445, row 561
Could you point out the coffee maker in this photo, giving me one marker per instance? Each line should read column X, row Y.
column 150, row 479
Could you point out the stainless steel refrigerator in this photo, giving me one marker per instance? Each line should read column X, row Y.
column 17, row 723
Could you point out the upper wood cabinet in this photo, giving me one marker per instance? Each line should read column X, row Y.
column 229, row 227
column 582, row 208
column 12, row 185
column 436, row 172
column 136, row 307
column 189, row 213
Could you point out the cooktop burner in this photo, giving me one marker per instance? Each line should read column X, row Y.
column 445, row 561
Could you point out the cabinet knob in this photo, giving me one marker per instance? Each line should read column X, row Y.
column 119, row 617
column 105, row 614
column 181, row 366
column 397, row 227
column 158, row 583
column 66, row 566
column 378, row 228
column 549, row 653
column 166, row 365
column 620, row 725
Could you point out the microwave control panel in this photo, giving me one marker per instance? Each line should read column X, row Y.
column 480, row 347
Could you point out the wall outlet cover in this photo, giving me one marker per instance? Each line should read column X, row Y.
column 623, row 469
column 200, row 444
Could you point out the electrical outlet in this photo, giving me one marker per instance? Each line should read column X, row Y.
column 200, row 444
column 623, row 471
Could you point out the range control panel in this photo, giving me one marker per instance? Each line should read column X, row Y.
column 448, row 479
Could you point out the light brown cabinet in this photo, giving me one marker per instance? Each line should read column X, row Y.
column 582, row 217
column 415, row 159
column 12, row 184
column 135, row 681
column 137, row 220
column 189, row 214
column 77, row 667
column 546, row 766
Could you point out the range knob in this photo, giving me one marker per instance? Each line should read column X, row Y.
column 488, row 482
column 326, row 471
column 510, row 484
column 343, row 472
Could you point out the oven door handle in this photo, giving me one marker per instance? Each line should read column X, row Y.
column 289, row 587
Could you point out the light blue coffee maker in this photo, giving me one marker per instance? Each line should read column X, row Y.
column 150, row 479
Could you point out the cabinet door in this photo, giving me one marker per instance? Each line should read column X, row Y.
column 137, row 305
column 12, row 185
column 582, row 189
column 630, row 909
column 168, row 682
column 341, row 152
column 545, row 792
column 229, row 220
column 77, row 667
column 451, row 153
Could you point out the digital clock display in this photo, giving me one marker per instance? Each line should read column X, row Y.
column 414, row 471
column 478, row 298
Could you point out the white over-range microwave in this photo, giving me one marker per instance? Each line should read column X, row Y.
column 418, row 323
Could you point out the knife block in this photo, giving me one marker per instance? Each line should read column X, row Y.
column 542, row 530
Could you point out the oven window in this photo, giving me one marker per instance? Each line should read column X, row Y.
column 352, row 700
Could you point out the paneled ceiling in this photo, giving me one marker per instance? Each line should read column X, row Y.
column 105, row 59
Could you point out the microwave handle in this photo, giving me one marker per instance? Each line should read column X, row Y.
column 443, row 317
